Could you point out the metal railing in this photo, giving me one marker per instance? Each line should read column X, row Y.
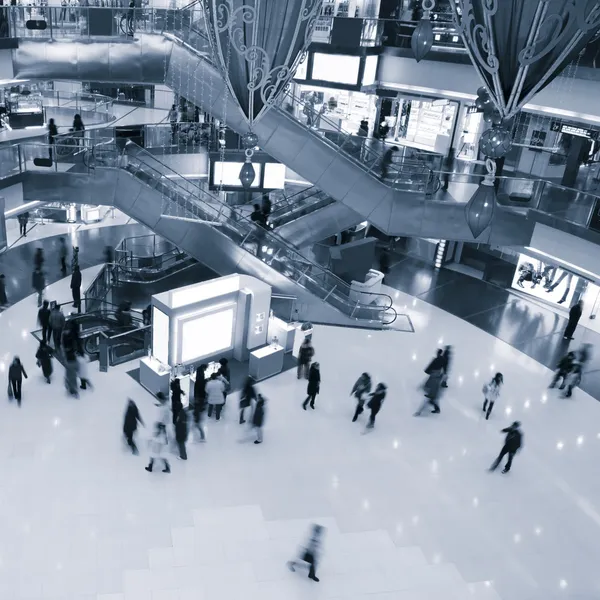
column 299, row 205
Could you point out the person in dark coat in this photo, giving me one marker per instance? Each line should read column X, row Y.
column 258, row 418
column 314, row 385
column 574, row 316
column 130, row 423
column 200, row 400
column 225, row 374
column 305, row 356
column 44, row 320
column 44, row 359
column 181, row 433
column 38, row 259
column 15, row 378
column 38, row 282
column 359, row 390
column 447, row 358
column 57, row 324
column 512, row 444
column 247, row 396
column 375, row 403
column 437, row 363
column 311, row 552
column 176, row 403
column 23, row 219
column 3, row 296
column 387, row 160
column 63, row 252
column 76, row 288
column 564, row 366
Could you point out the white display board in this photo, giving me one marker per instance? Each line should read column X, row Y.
column 207, row 334
column 160, row 335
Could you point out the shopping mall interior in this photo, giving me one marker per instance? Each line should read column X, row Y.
column 216, row 217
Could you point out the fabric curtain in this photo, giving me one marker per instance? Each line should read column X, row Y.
column 258, row 44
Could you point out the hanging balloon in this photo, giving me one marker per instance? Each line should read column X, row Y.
column 487, row 115
column 496, row 119
column 480, row 104
column 495, row 142
column 482, row 92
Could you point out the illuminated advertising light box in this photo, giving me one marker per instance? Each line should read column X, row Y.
column 336, row 68
column 204, row 335
column 160, row 335
column 544, row 281
column 227, row 174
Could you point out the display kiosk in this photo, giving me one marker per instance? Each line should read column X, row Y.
column 225, row 317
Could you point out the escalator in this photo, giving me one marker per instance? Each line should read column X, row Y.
column 175, row 53
column 204, row 227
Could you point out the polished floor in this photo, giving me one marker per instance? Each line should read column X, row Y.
column 410, row 509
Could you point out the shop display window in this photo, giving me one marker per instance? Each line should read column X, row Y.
column 544, row 281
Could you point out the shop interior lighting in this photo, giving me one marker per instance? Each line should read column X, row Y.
column 569, row 265
column 439, row 253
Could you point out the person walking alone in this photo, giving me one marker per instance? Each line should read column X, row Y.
column 16, row 372
column 433, row 384
column 512, row 444
column 247, row 396
column 38, row 283
column 44, row 321
column 574, row 316
column 375, row 403
column 311, row 553
column 359, row 390
column 314, row 385
column 258, row 418
column 563, row 368
column 23, row 219
column 491, row 392
column 181, row 433
column 176, row 394
column 305, row 356
column 158, row 447
column 63, row 253
column 76, row 288
column 130, row 423
column 44, row 360
column 215, row 395
column 447, row 358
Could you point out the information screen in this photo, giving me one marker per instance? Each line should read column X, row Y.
column 207, row 334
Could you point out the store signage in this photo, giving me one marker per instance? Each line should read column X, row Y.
column 573, row 130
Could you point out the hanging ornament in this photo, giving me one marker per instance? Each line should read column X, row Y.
column 495, row 142
column 247, row 174
column 479, row 210
column 250, row 140
column 421, row 41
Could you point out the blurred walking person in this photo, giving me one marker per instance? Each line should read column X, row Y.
column 491, row 392
column 359, row 390
column 433, row 384
column 447, row 356
column 512, row 444
column 574, row 316
column 57, row 325
column 572, row 380
column 158, row 447
column 375, row 403
column 44, row 360
column 200, row 400
column 43, row 318
column 71, row 373
column 38, row 282
column 305, row 356
column 311, row 553
column 63, row 253
column 76, row 288
column 247, row 396
column 563, row 368
column 130, row 423
column 176, row 394
column 314, row 385
column 258, row 418
column 181, row 433
column 215, row 390
column 16, row 372
column 38, row 259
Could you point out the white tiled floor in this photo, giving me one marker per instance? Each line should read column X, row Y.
column 410, row 511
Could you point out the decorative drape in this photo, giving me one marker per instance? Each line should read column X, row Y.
column 519, row 46
column 258, row 44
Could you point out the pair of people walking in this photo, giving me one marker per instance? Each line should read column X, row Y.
column 436, row 371
column 361, row 391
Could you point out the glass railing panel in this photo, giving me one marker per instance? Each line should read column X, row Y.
column 10, row 163
column 567, row 204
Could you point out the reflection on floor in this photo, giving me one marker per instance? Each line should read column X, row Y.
column 411, row 512
column 524, row 324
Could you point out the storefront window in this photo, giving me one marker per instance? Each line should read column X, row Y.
column 544, row 281
column 424, row 124
column 471, row 129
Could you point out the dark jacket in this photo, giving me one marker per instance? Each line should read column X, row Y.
column 513, row 440
column 376, row 400
column 258, row 417
column 305, row 355
column 181, row 426
column 565, row 364
column 362, row 386
column 132, row 416
column 176, row 393
column 314, row 381
column 44, row 317
column 575, row 313
column 76, row 280
column 16, row 372
column 248, row 394
column 447, row 360
column 437, row 364
column 199, row 387
column 44, row 357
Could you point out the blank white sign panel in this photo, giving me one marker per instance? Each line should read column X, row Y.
column 160, row 335
column 207, row 335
